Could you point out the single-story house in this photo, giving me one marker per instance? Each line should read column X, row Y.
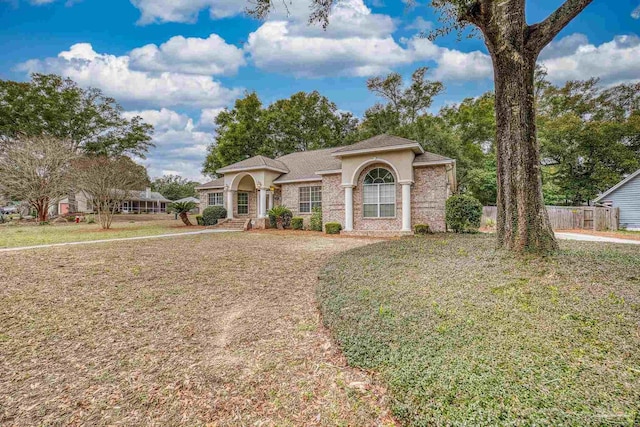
column 379, row 185
column 146, row 201
column 626, row 196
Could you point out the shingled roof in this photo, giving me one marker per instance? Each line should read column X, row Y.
column 216, row 183
column 255, row 162
column 379, row 142
column 303, row 165
column 427, row 157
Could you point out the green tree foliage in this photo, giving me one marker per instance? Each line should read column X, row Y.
column 306, row 121
column 57, row 107
column 589, row 138
column 174, row 187
column 404, row 102
column 240, row 134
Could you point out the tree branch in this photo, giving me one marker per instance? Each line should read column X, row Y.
column 541, row 34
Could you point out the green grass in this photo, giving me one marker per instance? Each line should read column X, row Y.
column 464, row 335
column 30, row 235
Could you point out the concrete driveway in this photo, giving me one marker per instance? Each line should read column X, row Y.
column 592, row 238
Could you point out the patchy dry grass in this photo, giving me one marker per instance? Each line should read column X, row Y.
column 464, row 335
column 148, row 333
column 12, row 236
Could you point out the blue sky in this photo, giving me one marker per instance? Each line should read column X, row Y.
column 179, row 62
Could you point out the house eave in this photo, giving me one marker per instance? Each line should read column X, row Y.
column 251, row 168
column 435, row 163
column 293, row 181
column 617, row 186
column 417, row 148
column 329, row 172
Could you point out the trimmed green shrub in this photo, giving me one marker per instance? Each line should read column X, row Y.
column 91, row 219
column 463, row 213
column 212, row 214
column 315, row 223
column 297, row 223
column 200, row 220
column 422, row 229
column 280, row 217
column 332, row 228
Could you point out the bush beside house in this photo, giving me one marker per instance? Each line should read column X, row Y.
column 212, row 214
column 463, row 213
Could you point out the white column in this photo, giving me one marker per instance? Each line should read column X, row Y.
column 348, row 208
column 263, row 203
column 229, row 204
column 271, row 199
column 406, row 206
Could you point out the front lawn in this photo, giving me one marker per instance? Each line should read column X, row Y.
column 213, row 329
column 464, row 335
column 12, row 236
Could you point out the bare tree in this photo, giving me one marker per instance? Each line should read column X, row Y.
column 514, row 46
column 108, row 181
column 36, row 170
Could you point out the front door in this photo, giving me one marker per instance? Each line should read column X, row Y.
column 243, row 203
column 125, row 207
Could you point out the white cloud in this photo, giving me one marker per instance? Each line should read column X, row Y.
column 114, row 75
column 210, row 56
column 636, row 13
column 181, row 146
column 564, row 46
column 420, row 24
column 153, row 11
column 273, row 48
column 613, row 62
column 208, row 118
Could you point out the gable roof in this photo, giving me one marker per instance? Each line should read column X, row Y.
column 303, row 165
column 618, row 185
column 380, row 143
column 256, row 162
column 216, row 183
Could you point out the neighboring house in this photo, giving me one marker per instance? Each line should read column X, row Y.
column 382, row 184
column 146, row 201
column 190, row 199
column 626, row 196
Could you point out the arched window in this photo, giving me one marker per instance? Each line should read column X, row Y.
column 379, row 194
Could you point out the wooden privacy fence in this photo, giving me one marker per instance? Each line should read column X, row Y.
column 569, row 217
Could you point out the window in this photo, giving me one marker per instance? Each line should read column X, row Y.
column 379, row 194
column 243, row 203
column 215, row 199
column 310, row 197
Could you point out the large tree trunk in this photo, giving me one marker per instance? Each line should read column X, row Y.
column 523, row 222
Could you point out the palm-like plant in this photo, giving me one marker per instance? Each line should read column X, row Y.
column 182, row 209
column 279, row 213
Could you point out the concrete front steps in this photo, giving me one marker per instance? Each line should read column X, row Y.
column 238, row 224
column 376, row 233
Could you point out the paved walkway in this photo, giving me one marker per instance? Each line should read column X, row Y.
column 592, row 238
column 119, row 239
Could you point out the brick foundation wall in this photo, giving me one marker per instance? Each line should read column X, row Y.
column 428, row 197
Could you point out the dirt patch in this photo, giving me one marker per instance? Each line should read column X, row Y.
column 138, row 333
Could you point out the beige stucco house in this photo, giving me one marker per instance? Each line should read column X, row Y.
column 385, row 184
